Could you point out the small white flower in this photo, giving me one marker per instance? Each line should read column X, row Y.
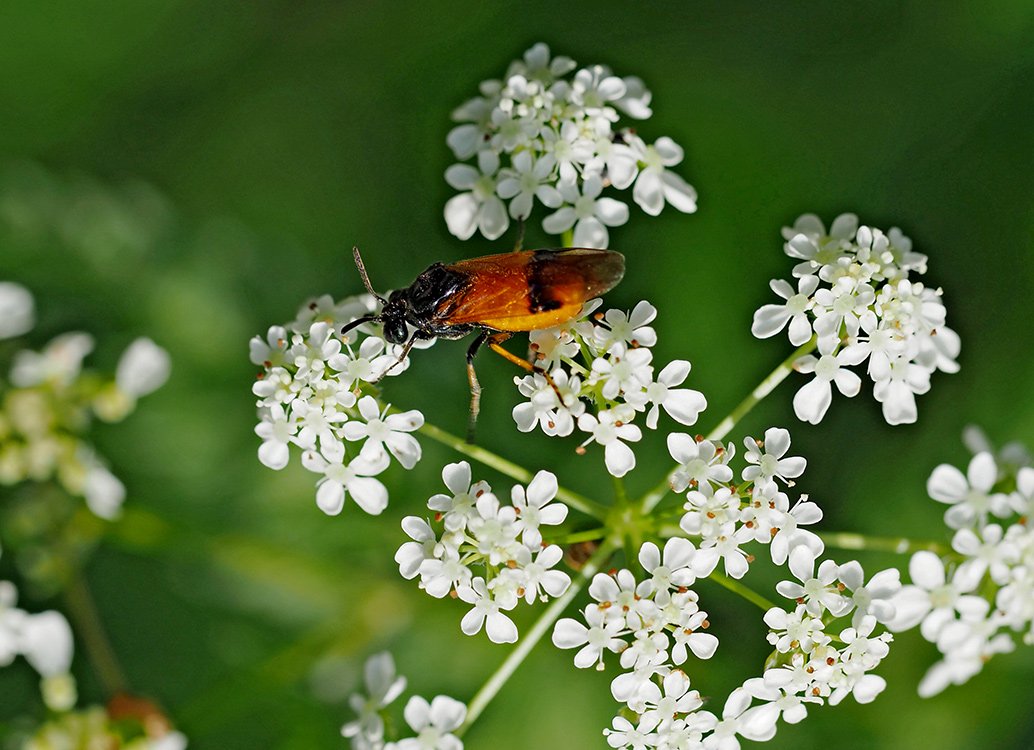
column 143, row 368
column 588, row 213
column 681, row 404
column 538, row 574
column 625, row 734
column 610, row 432
column 701, row 465
column 874, row 598
column 724, row 546
column 411, row 555
column 708, row 515
column 434, row 724
column 817, row 591
column 534, row 509
column 277, row 433
column 17, row 310
column 60, row 362
column 103, row 491
column 487, row 613
column 354, row 478
column 600, row 635
column 555, row 416
column 383, row 686
column 932, row 599
column 269, row 352
column 813, row 399
column 673, row 569
column 988, row 551
column 479, row 208
column 656, row 184
column 381, row 430
column 459, row 507
column 771, row 319
column 630, row 329
column 527, row 180
column 46, row 643
column 969, row 494
column 622, row 371
column 771, row 465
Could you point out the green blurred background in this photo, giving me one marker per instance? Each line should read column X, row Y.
column 193, row 170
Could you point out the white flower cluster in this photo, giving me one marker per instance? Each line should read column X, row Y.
column 434, row 722
column 654, row 624
column 49, row 400
column 309, row 395
column 604, row 362
column 726, row 516
column 968, row 602
column 855, row 295
column 45, row 641
column 505, row 540
column 551, row 134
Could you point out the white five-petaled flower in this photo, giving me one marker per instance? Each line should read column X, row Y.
column 970, row 495
column 434, row 724
column 813, row 399
column 817, row 591
column 701, row 464
column 588, row 212
column 772, row 463
column 600, row 635
column 487, row 613
column 534, row 508
column 610, row 432
column 655, row 183
column 355, row 478
column 381, row 430
column 479, row 208
column 932, row 599
column 771, row 319
column 383, row 686
column 526, row 181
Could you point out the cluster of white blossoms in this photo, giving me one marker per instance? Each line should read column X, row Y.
column 602, row 368
column 971, row 602
column 310, row 396
column 825, row 646
column 550, row 133
column 433, row 723
column 48, row 401
column 501, row 541
column 855, row 295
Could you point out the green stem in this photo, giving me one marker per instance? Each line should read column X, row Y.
column 520, row 652
column 510, row 469
column 567, row 238
column 88, row 626
column 746, row 592
column 765, row 387
column 589, row 535
column 899, row 545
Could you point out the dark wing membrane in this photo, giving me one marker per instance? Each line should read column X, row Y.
column 532, row 283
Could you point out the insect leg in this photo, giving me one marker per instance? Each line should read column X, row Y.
column 494, row 341
column 475, row 386
column 402, row 357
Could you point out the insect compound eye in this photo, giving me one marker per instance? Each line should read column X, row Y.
column 395, row 331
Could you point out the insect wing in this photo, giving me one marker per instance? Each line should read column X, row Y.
column 532, row 289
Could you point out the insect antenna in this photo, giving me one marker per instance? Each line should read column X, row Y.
column 366, row 279
column 359, row 321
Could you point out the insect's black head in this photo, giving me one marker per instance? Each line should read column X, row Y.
column 393, row 316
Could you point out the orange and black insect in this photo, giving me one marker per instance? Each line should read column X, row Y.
column 496, row 296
